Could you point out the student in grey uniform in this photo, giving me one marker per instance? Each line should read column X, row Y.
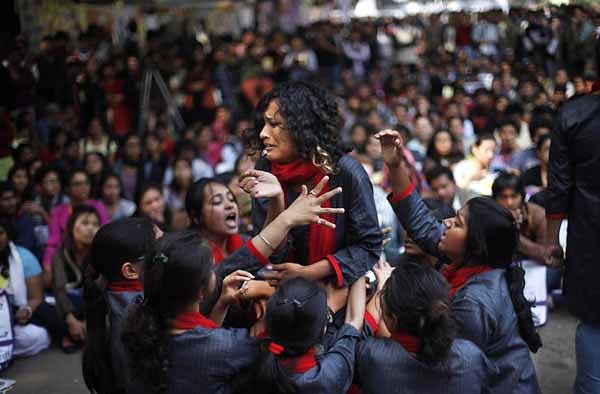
column 486, row 291
column 422, row 354
column 111, row 284
column 291, row 360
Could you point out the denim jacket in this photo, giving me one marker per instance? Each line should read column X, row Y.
column 384, row 366
column 119, row 303
column 334, row 370
column 482, row 307
column 206, row 360
column 358, row 235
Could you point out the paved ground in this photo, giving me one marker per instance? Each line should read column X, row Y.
column 55, row 373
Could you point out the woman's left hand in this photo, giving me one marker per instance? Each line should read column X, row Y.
column 261, row 184
column 231, row 285
column 383, row 270
column 286, row 271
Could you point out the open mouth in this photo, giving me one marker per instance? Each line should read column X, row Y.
column 231, row 220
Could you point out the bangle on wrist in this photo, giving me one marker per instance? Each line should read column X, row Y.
column 266, row 241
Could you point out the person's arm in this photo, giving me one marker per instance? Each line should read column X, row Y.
column 64, row 305
column 355, row 310
column 558, row 190
column 374, row 314
column 535, row 248
column 413, row 214
column 362, row 243
column 473, row 321
column 304, row 210
column 35, row 291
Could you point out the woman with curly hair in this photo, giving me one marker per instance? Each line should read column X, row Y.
column 297, row 135
column 486, row 290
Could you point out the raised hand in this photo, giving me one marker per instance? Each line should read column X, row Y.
column 307, row 207
column 260, row 184
column 391, row 146
column 382, row 270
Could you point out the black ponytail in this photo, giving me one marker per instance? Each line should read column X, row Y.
column 96, row 364
column 267, row 376
column 176, row 269
column 515, row 278
column 416, row 296
column 145, row 337
column 492, row 239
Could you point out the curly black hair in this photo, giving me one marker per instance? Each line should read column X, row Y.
column 311, row 115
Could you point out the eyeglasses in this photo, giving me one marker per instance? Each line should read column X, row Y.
column 80, row 183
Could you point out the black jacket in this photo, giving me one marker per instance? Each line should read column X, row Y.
column 574, row 192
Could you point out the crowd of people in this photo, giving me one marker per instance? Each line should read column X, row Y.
column 104, row 202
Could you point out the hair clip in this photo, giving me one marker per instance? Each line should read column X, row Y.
column 161, row 258
column 276, row 348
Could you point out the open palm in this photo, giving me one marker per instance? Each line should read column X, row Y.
column 260, row 184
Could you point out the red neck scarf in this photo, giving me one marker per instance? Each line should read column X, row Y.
column 191, row 320
column 234, row 242
column 302, row 363
column 321, row 239
column 458, row 277
column 409, row 342
column 126, row 286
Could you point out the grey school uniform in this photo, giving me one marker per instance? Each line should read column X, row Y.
column 206, row 360
column 482, row 307
column 334, row 370
column 384, row 366
column 119, row 302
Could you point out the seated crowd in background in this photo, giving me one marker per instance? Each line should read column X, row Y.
column 475, row 116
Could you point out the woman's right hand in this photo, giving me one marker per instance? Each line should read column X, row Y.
column 307, row 207
column 260, row 184
column 391, row 146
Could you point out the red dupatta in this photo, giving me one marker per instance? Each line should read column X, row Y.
column 458, row 277
column 302, row 363
column 234, row 242
column 191, row 320
column 321, row 239
column 409, row 342
column 126, row 286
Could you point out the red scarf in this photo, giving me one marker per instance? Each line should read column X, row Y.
column 458, row 277
column 321, row 239
column 302, row 363
column 234, row 242
column 409, row 342
column 191, row 320
column 126, row 286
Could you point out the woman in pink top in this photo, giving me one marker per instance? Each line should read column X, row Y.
column 79, row 192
